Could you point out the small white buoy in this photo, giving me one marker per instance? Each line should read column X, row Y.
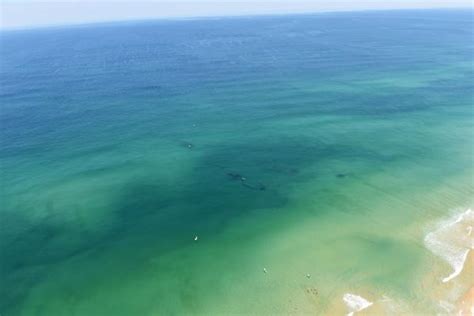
column 308, row 275
column 264, row 270
column 196, row 238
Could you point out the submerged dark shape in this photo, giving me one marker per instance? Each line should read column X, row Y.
column 187, row 145
column 151, row 87
column 294, row 170
column 312, row 291
column 236, row 176
column 341, row 175
column 259, row 187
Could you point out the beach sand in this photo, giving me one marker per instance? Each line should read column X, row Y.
column 447, row 283
column 466, row 303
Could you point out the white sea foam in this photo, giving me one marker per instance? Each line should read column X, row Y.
column 447, row 307
column 452, row 241
column 355, row 303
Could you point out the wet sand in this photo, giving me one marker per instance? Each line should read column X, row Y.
column 465, row 305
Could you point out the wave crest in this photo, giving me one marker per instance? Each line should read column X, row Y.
column 452, row 241
column 356, row 303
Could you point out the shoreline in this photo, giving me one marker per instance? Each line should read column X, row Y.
column 449, row 282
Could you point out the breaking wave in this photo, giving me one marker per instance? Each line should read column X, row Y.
column 452, row 241
column 355, row 303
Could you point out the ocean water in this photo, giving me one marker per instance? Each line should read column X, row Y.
column 251, row 165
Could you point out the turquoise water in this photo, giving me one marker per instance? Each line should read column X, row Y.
column 317, row 148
